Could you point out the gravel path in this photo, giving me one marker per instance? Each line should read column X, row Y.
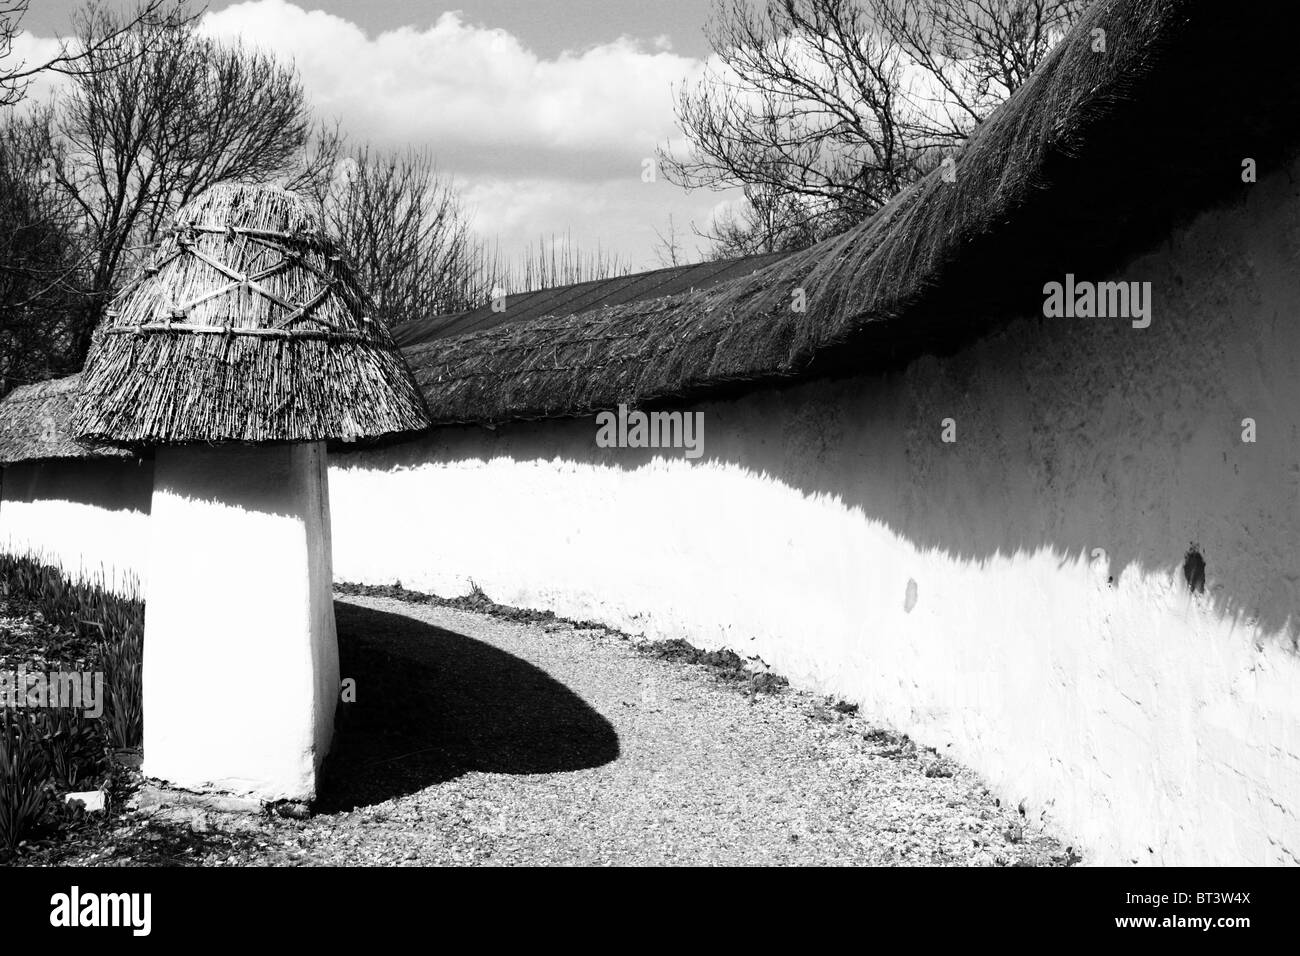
column 476, row 739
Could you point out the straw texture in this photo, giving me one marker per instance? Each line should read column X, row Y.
column 583, row 297
column 35, row 423
column 246, row 325
column 1092, row 160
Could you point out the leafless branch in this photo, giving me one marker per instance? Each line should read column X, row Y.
column 824, row 109
column 73, row 58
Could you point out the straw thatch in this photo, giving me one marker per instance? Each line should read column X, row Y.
column 583, row 297
column 1094, row 159
column 246, row 325
column 35, row 424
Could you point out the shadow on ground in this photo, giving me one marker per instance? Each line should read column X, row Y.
column 433, row 704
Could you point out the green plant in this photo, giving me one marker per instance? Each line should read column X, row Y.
column 123, row 668
column 73, row 745
column 23, row 768
column 47, row 751
column 89, row 610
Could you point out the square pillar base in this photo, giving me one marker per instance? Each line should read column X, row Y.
column 241, row 672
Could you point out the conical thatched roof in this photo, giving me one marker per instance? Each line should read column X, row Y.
column 34, row 424
column 246, row 325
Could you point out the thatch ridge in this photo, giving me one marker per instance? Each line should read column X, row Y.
column 1097, row 155
column 576, row 297
column 245, row 325
column 35, row 424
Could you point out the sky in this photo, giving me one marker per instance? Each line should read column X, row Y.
column 543, row 111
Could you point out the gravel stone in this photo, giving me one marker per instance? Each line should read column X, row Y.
column 480, row 740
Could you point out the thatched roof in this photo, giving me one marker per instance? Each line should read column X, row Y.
column 580, row 297
column 1091, row 161
column 246, row 325
column 34, row 421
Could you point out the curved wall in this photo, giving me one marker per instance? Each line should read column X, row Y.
column 1017, row 596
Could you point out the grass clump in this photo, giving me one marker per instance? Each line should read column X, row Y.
column 46, row 751
column 90, row 611
column 725, row 664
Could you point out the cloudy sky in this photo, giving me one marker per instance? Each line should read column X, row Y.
column 542, row 110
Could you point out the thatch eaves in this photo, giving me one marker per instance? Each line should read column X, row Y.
column 35, row 424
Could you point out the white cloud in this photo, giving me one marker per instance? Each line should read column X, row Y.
column 618, row 216
column 539, row 145
column 29, row 52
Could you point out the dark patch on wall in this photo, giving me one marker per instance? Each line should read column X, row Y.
column 1194, row 569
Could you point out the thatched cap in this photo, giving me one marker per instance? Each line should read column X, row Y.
column 34, row 424
column 245, row 325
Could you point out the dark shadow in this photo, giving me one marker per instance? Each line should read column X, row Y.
column 108, row 483
column 1057, row 450
column 1079, row 436
column 432, row 704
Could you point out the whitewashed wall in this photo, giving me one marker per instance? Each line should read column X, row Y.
column 1150, row 725
column 90, row 517
column 239, row 621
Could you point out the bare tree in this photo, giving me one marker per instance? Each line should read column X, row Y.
column 405, row 231
column 42, row 261
column 69, row 61
column 408, row 234
column 668, row 246
column 140, row 134
column 767, row 220
column 825, row 109
column 553, row 262
column 806, row 103
column 972, row 54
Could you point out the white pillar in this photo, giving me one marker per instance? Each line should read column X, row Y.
column 241, row 671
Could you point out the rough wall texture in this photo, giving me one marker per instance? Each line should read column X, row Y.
column 89, row 517
column 241, row 672
column 957, row 590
